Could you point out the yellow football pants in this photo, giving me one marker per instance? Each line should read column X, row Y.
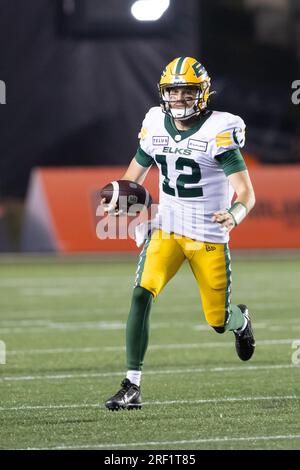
column 162, row 256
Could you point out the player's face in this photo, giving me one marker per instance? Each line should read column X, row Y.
column 183, row 96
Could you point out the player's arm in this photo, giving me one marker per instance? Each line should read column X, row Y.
column 135, row 172
column 142, row 161
column 242, row 185
column 243, row 203
column 140, row 164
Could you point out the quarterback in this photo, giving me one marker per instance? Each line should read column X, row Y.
column 197, row 152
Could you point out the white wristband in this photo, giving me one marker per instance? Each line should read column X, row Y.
column 238, row 211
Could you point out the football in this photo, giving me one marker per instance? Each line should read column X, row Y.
column 125, row 197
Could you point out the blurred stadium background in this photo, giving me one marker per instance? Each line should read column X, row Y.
column 79, row 76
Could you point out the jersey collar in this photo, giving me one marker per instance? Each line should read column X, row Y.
column 173, row 131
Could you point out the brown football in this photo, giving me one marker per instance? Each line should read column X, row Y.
column 125, row 197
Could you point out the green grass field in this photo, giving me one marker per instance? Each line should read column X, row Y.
column 63, row 325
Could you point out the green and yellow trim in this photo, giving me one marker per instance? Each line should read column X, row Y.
column 141, row 263
column 228, row 283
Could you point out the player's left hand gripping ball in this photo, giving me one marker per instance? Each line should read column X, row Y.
column 124, row 197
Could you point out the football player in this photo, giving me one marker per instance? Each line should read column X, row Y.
column 197, row 152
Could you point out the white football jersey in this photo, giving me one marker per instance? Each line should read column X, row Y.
column 192, row 182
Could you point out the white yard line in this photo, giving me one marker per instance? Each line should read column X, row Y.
column 50, row 326
column 154, row 347
column 19, row 317
column 164, row 443
column 150, row 403
column 59, row 280
column 241, row 368
column 41, row 325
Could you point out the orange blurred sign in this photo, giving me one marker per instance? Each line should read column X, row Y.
column 275, row 220
column 61, row 209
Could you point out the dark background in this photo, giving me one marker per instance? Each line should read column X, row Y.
column 79, row 84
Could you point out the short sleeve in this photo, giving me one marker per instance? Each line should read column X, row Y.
column 143, row 155
column 231, row 162
column 143, row 158
column 231, row 136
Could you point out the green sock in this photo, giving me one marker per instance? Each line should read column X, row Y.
column 137, row 328
column 235, row 319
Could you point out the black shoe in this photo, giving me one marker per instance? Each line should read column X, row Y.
column 244, row 341
column 128, row 397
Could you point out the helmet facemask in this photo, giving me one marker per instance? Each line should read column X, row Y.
column 190, row 107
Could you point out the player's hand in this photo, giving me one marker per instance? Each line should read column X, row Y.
column 109, row 209
column 225, row 219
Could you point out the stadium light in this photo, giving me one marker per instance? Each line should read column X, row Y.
column 149, row 10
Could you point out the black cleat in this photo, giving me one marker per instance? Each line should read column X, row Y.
column 128, row 397
column 244, row 341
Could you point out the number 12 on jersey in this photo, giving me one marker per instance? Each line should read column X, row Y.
column 183, row 179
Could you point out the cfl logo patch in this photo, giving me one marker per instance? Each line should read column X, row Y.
column 2, row 92
column 296, row 353
column 2, row 353
column 296, row 93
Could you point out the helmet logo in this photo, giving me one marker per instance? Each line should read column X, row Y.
column 198, row 69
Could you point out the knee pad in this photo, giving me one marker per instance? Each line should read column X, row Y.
column 219, row 329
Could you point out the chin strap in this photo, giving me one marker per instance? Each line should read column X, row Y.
column 184, row 117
